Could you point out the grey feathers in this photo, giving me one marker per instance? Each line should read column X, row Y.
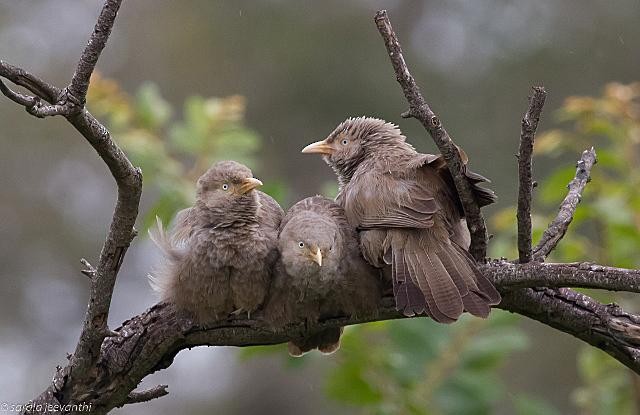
column 220, row 254
column 320, row 274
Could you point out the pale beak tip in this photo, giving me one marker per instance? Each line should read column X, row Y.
column 317, row 257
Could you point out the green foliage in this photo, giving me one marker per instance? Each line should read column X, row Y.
column 420, row 367
column 605, row 227
column 173, row 153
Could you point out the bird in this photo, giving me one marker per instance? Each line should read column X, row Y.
column 221, row 251
column 410, row 218
column 320, row 274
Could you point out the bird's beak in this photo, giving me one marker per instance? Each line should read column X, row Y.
column 321, row 147
column 248, row 185
column 317, row 257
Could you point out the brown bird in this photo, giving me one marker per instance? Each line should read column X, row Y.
column 220, row 256
column 410, row 216
column 320, row 274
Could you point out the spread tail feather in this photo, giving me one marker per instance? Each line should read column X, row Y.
column 445, row 277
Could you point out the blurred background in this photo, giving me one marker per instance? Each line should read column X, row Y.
column 182, row 86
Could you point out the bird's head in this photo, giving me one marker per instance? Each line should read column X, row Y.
column 227, row 188
column 355, row 139
column 308, row 244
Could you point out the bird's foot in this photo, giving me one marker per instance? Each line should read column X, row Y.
column 239, row 312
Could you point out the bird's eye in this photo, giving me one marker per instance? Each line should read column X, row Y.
column 225, row 187
column 301, row 244
column 345, row 142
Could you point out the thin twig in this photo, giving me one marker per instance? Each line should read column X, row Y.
column 558, row 227
column 147, row 395
column 32, row 83
column 420, row 110
column 18, row 98
column 89, row 58
column 525, row 155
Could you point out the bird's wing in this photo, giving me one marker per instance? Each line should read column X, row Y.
column 270, row 212
column 381, row 201
column 483, row 195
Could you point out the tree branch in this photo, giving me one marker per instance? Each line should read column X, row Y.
column 147, row 395
column 556, row 230
column 525, row 155
column 606, row 327
column 32, row 83
column 69, row 102
column 98, row 40
column 149, row 342
column 578, row 274
column 420, row 110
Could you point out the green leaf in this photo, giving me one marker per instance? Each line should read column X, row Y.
column 153, row 110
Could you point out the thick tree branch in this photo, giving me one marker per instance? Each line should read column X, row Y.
column 558, row 227
column 606, row 327
column 525, row 155
column 577, row 274
column 420, row 110
column 149, row 342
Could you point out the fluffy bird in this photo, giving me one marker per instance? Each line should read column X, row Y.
column 320, row 274
column 410, row 217
column 221, row 252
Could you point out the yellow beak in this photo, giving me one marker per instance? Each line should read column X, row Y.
column 248, row 185
column 321, row 147
column 317, row 257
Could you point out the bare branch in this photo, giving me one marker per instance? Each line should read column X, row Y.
column 18, row 98
column 578, row 274
column 70, row 103
column 147, row 395
column 556, row 230
column 606, row 327
column 527, row 137
column 420, row 110
column 31, row 82
column 80, row 81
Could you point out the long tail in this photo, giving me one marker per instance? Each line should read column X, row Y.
column 327, row 341
column 440, row 278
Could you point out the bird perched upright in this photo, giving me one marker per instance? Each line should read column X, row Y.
column 320, row 274
column 220, row 255
column 410, row 216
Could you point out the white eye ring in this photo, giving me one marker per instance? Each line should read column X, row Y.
column 225, row 187
column 301, row 244
column 345, row 142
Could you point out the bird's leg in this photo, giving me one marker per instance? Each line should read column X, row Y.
column 240, row 311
